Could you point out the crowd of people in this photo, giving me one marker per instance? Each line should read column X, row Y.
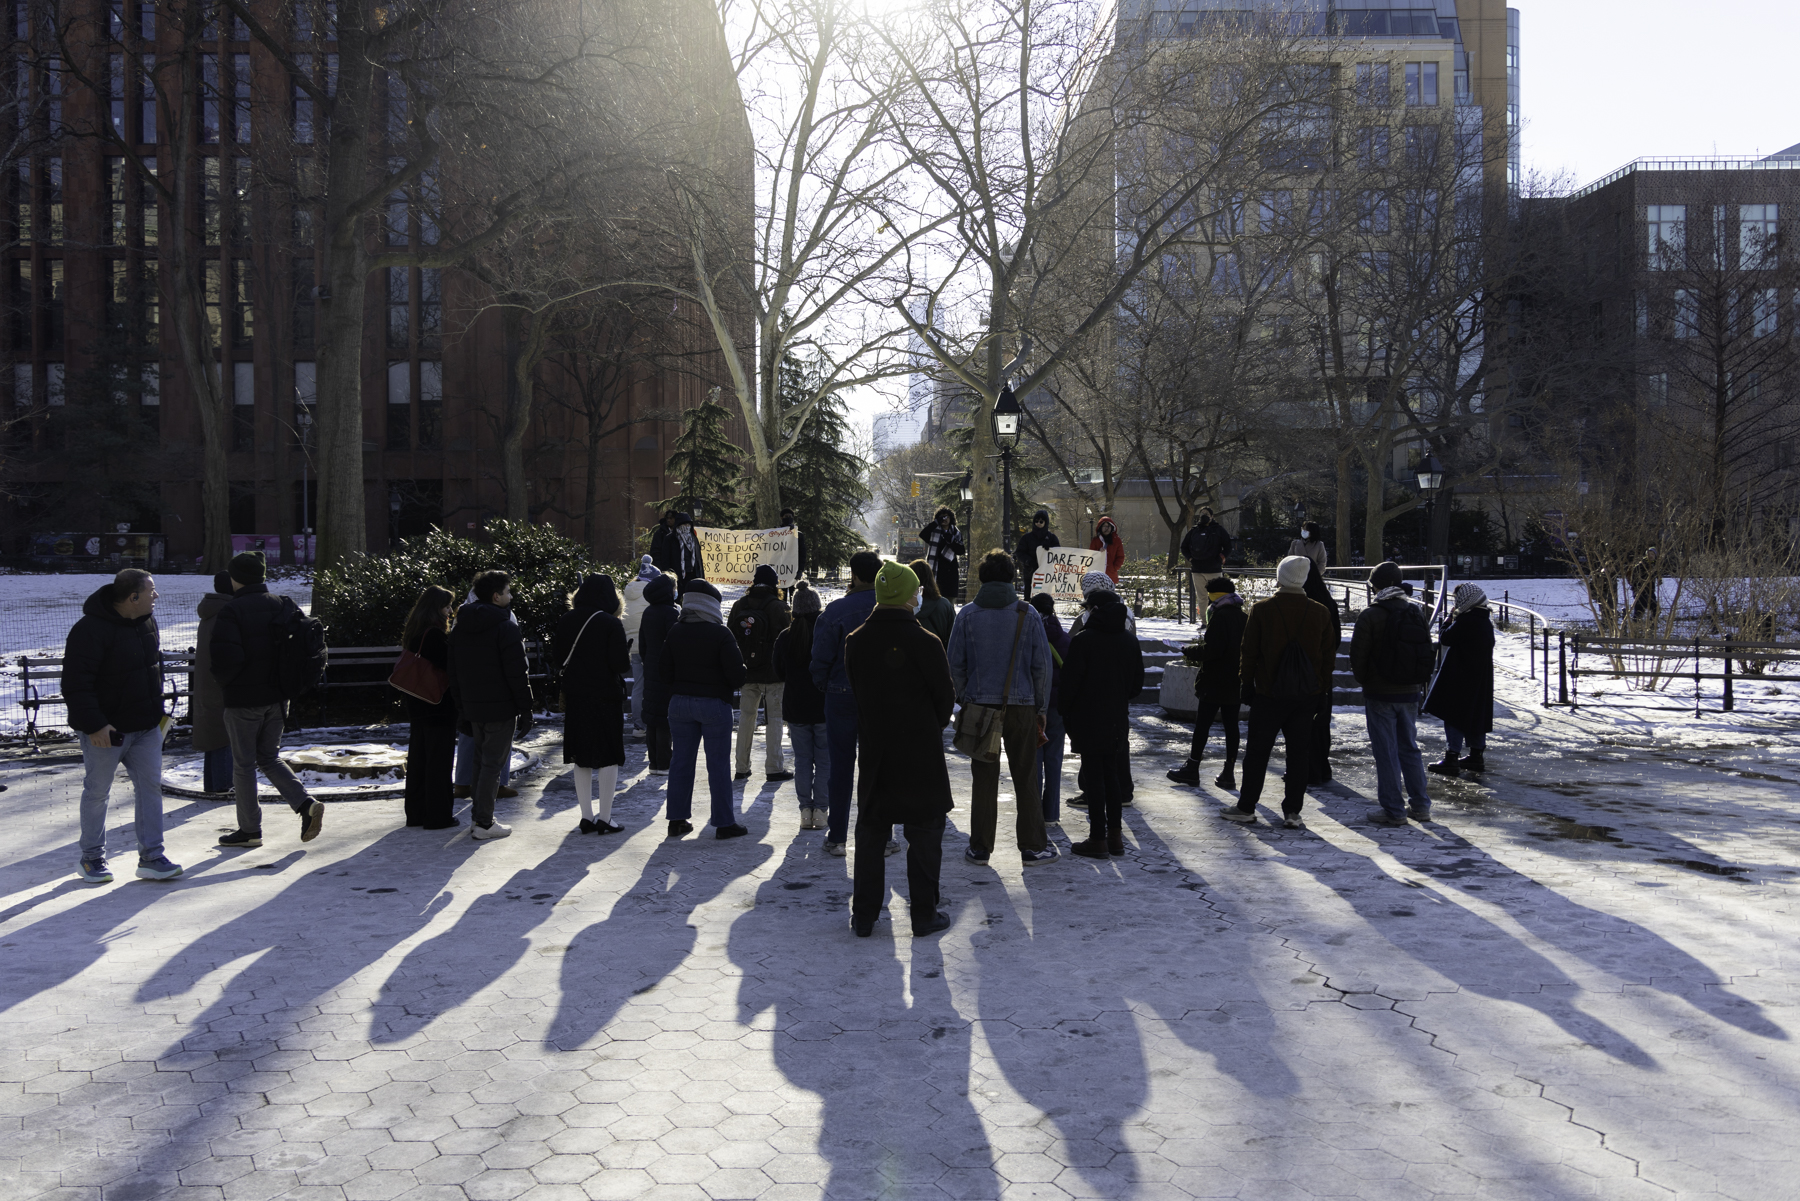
column 862, row 690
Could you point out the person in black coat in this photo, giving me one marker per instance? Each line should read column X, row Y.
column 593, row 657
column 1040, row 538
column 653, row 633
column 1320, row 768
column 704, row 669
column 943, row 544
column 493, row 692
column 1463, row 693
column 1217, row 690
column 1102, row 674
column 665, row 546
column 803, row 709
column 431, row 740
column 900, row 676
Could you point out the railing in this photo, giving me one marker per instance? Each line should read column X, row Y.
column 1689, row 164
column 1660, row 651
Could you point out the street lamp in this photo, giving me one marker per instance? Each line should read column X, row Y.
column 1431, row 478
column 1006, row 436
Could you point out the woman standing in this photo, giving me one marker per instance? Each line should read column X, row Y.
column 653, row 631
column 1463, row 694
column 935, row 612
column 431, row 746
column 206, row 701
column 1216, row 691
column 1107, row 538
column 803, row 708
column 943, row 543
column 591, row 648
column 1103, row 673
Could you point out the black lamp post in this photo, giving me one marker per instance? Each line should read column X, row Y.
column 966, row 490
column 1431, row 478
column 1006, row 436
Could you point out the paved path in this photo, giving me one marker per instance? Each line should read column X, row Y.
column 1578, row 983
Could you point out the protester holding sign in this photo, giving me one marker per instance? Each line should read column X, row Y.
column 943, row 543
column 733, row 556
column 1040, row 538
column 1107, row 538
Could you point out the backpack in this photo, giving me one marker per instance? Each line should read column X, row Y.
column 1295, row 678
column 300, row 653
column 1405, row 656
column 755, row 636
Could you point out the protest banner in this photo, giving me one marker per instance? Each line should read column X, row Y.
column 732, row 556
column 1061, row 572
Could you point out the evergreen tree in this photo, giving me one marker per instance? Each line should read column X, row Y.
column 821, row 481
column 706, row 463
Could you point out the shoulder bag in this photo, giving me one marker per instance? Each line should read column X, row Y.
column 978, row 727
column 417, row 676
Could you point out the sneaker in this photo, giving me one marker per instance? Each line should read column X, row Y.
column 743, row 775
column 1291, row 821
column 312, row 819
column 158, row 868
column 970, row 855
column 1039, row 858
column 779, row 777
column 834, row 849
column 893, row 847
column 1418, row 814
column 1077, row 802
column 95, row 871
column 241, row 838
column 1232, row 813
column 678, row 828
column 507, row 792
column 638, row 731
column 812, row 819
column 1188, row 773
column 732, row 831
column 938, row 922
column 1381, row 817
column 485, row 833
column 462, row 792
column 1227, row 781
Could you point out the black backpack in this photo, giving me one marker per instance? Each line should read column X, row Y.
column 299, row 653
column 1405, row 656
column 1295, row 678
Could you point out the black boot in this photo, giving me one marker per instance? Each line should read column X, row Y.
column 1188, row 773
column 1473, row 762
column 1226, row 780
column 1447, row 766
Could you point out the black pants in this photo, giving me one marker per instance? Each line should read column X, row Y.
column 1086, row 780
column 1321, row 743
column 924, row 864
column 1293, row 721
column 430, row 754
column 659, row 748
column 1109, row 778
column 1203, row 720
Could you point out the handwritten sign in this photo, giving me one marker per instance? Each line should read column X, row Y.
column 732, row 556
column 1061, row 572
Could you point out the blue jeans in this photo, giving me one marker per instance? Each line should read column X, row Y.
column 141, row 753
column 812, row 762
column 1453, row 738
column 1050, row 763
column 467, row 756
column 840, row 729
column 1393, row 741
column 691, row 719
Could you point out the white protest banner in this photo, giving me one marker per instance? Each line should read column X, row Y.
column 1062, row 570
column 732, row 556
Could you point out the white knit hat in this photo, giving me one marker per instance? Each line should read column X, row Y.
column 1291, row 572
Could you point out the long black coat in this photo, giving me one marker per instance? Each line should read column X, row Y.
column 434, row 647
column 1220, row 653
column 653, row 635
column 900, row 676
column 1463, row 693
column 592, row 665
column 1102, row 673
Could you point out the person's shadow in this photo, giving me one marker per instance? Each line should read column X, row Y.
column 891, row 1071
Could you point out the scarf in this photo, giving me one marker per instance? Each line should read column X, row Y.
column 1388, row 593
column 697, row 606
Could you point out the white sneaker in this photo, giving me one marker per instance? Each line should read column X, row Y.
column 484, row 833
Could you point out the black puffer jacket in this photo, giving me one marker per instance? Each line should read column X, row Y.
column 112, row 669
column 487, row 665
column 703, row 659
column 1102, row 674
column 653, row 635
column 243, row 646
column 1206, row 546
column 756, row 620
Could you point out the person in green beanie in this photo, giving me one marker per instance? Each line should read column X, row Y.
column 900, row 677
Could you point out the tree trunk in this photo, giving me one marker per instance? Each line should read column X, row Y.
column 591, row 494
column 525, row 347
column 1346, row 483
column 1374, row 520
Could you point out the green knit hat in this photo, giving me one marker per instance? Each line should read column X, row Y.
column 895, row 584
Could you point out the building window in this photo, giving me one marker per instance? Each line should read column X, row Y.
column 53, row 307
column 55, row 377
column 24, row 395
column 306, row 395
column 22, row 302
column 116, row 228
column 1757, row 249
column 147, row 98
column 1421, row 147
column 22, row 210
column 1765, row 307
column 399, row 307
column 1372, row 145
column 399, row 405
column 240, row 199
column 148, row 204
column 1422, row 85
column 243, row 312
column 303, row 304
column 210, row 188
column 431, row 404
column 1374, row 217
column 240, row 98
column 430, row 200
column 397, row 220
column 303, row 102
column 1667, row 228
column 1372, row 86
column 213, row 294
column 243, row 409
column 53, row 177
column 209, row 98
column 150, row 288
column 396, row 108
column 115, row 93
column 1687, row 313
column 118, row 295
column 1656, row 391
column 1276, row 211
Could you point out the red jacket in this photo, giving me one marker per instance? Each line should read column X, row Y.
column 1115, row 552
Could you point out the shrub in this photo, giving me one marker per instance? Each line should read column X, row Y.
column 364, row 602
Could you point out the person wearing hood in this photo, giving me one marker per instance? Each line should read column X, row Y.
column 1205, row 547
column 934, row 610
column 635, row 605
column 1285, row 672
column 1217, row 689
column 593, row 657
column 1026, row 557
column 755, row 620
column 431, row 728
column 245, row 650
column 901, row 681
column 1050, row 755
column 1103, row 675
column 1463, row 693
column 943, row 546
column 1392, row 656
column 206, row 699
column 994, row 634
column 1321, row 745
column 841, row 616
column 112, row 681
column 792, row 522
column 489, row 677
column 660, row 615
column 1308, row 544
column 665, row 545
column 1107, row 538
column 691, row 564
column 1091, row 582
column 704, row 668
column 803, row 708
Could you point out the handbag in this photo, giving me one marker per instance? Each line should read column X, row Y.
column 978, row 727
column 417, row 676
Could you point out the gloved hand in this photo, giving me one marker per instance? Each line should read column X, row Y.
column 526, row 721
column 1247, row 692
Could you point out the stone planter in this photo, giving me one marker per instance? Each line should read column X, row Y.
column 1178, row 698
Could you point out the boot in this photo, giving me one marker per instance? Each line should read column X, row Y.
column 1188, row 773
column 1473, row 762
column 1447, row 766
column 1227, row 780
column 1115, row 845
column 1091, row 848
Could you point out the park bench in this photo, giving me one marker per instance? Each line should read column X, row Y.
column 40, row 679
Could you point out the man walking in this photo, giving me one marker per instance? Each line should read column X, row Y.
column 1285, row 666
column 246, row 649
column 1000, row 658
column 113, row 683
column 493, row 693
column 1392, row 656
column 756, row 619
column 830, row 674
column 901, row 681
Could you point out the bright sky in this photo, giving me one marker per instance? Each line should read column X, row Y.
column 1605, row 81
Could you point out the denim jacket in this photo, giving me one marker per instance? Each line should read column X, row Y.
column 981, row 642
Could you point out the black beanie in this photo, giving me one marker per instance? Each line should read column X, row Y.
column 222, row 583
column 247, row 567
column 1385, row 575
column 766, row 575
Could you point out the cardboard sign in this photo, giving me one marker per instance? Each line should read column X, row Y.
column 1063, row 567
column 732, row 556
